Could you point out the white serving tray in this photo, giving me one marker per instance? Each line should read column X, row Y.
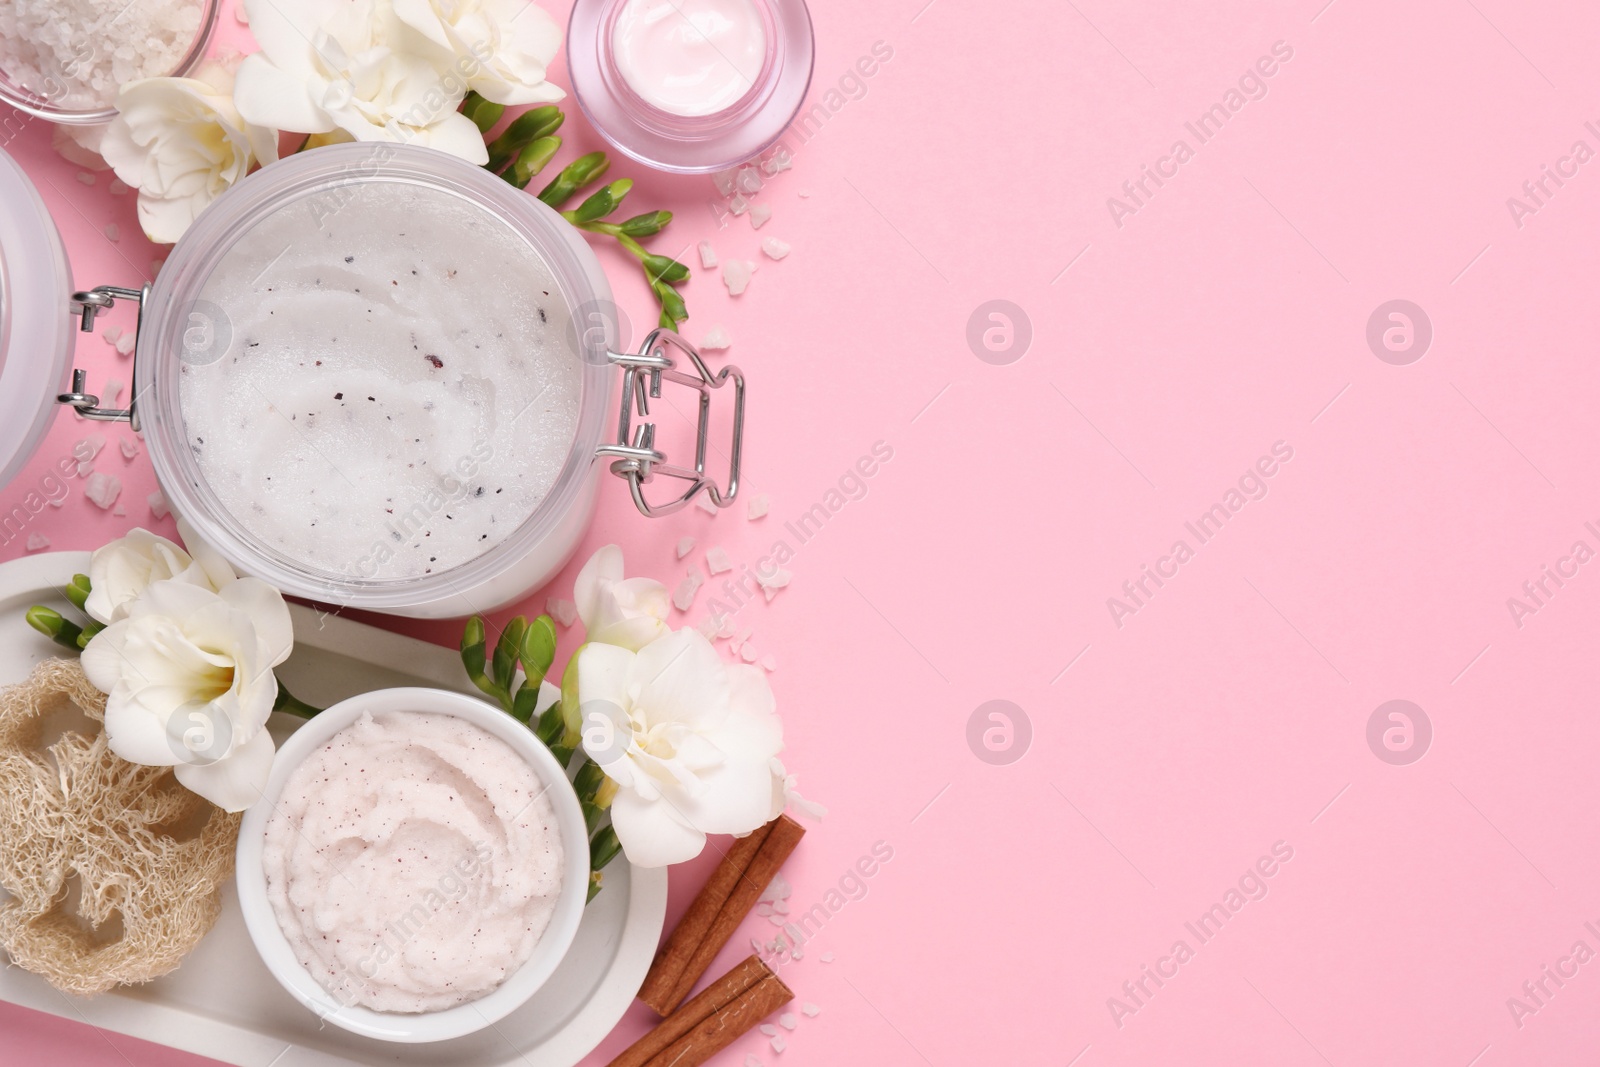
column 223, row 1003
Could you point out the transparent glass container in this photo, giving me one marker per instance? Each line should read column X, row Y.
column 543, row 541
column 48, row 100
column 35, row 318
column 699, row 143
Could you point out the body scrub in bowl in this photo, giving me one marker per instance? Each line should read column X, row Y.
column 376, row 376
column 409, row 875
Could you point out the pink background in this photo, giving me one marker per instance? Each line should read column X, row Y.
column 1230, row 712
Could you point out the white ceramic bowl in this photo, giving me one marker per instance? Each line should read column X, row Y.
column 465, row 1018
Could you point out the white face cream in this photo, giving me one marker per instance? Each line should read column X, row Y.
column 387, row 389
column 690, row 57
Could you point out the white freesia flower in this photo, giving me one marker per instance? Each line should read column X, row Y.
column 689, row 740
column 182, row 143
column 120, row 571
column 628, row 612
column 352, row 65
column 189, row 683
column 503, row 46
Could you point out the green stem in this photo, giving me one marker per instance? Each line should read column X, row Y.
column 288, row 702
column 50, row 623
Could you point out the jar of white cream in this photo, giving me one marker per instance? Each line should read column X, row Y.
column 378, row 377
column 690, row 85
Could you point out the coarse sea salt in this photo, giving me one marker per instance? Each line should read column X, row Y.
column 685, row 546
column 102, row 490
column 129, row 446
column 759, row 505
column 749, row 180
column 716, row 340
column 810, row 1010
column 788, row 1020
column 704, row 502
column 826, row 957
column 736, row 275
column 563, row 611
column 779, row 1044
column 708, row 255
column 774, row 248
column 37, row 541
column 158, row 505
column 77, row 53
column 760, row 214
column 683, row 596
column 717, row 560
column 769, row 1029
column 85, row 177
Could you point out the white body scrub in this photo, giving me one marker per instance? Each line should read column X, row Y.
column 413, row 862
column 388, row 389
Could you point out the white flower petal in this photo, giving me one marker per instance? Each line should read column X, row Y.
column 603, row 672
column 651, row 834
column 236, row 781
column 272, row 97
column 218, row 570
column 686, row 680
column 266, row 608
column 134, row 734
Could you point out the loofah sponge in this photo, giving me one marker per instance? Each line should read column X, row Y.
column 136, row 848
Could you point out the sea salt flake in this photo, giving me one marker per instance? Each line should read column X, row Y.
column 751, row 1061
column 826, row 957
column 805, row 194
column 102, row 490
column 113, row 232
column 708, row 255
column 739, row 204
column 774, row 248
column 810, row 1010
column 685, row 546
column 726, row 180
column 798, row 953
column 736, row 641
column 777, row 889
column 759, row 505
column 779, row 1044
column 769, row 1029
column 747, row 654
column 763, row 909
column 129, row 446
column 90, row 447
column 37, row 541
column 119, row 511
column 736, row 275
column 112, row 391
column 85, row 177
column 125, row 344
column 118, row 187
column 716, row 340
column 158, row 504
column 718, row 561
column 563, row 611
column 770, row 662
column 781, row 907
column 111, row 333
column 759, row 215
column 85, row 468
column 780, row 160
column 683, row 596
column 788, row 1020
column 704, row 502
column 749, row 180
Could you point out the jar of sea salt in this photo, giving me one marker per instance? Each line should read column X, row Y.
column 378, row 377
column 65, row 60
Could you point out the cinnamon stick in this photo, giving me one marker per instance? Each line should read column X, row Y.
column 715, row 998
column 725, row 1027
column 782, row 837
column 673, row 957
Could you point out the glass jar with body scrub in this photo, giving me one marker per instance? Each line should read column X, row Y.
column 690, row 85
column 379, row 377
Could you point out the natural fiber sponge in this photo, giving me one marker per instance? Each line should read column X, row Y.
column 113, row 869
